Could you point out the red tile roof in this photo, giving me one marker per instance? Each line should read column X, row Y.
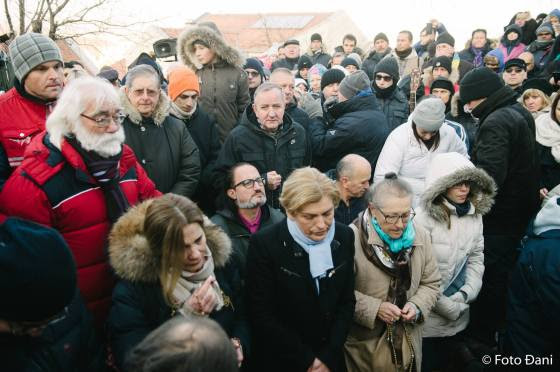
column 238, row 29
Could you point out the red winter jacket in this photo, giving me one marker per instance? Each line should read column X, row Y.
column 21, row 119
column 53, row 187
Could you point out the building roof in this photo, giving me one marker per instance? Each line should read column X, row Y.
column 254, row 33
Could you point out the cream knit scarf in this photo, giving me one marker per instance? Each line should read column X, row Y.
column 548, row 134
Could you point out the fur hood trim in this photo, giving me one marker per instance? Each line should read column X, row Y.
column 483, row 190
column 455, row 101
column 130, row 254
column 185, row 45
column 159, row 115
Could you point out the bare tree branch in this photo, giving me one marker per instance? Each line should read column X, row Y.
column 37, row 15
column 21, row 8
column 9, row 17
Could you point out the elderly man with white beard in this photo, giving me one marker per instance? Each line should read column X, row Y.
column 79, row 178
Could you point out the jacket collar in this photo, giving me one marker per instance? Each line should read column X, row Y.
column 500, row 98
column 22, row 92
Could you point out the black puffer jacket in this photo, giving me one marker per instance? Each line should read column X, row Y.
column 163, row 146
column 284, row 152
column 359, row 128
column 138, row 304
column 506, row 149
column 67, row 345
column 372, row 60
column 204, row 131
column 467, row 54
column 395, row 108
column 240, row 234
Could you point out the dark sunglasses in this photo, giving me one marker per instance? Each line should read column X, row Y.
column 384, row 78
column 250, row 182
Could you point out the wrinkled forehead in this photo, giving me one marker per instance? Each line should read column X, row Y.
column 245, row 172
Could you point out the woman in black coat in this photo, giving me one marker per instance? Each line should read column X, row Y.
column 172, row 261
column 300, row 281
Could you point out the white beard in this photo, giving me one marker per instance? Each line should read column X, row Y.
column 106, row 144
column 255, row 201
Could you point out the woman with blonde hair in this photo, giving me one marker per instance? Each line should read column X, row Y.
column 171, row 261
column 300, row 280
column 535, row 101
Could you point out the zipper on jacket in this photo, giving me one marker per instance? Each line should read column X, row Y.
column 333, row 271
column 290, row 273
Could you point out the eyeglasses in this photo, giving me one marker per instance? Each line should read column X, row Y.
column 105, row 121
column 517, row 70
column 252, row 73
column 403, row 217
column 384, row 78
column 250, row 182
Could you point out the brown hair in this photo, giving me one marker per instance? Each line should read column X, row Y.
column 535, row 93
column 420, row 141
column 553, row 109
column 305, row 186
column 163, row 226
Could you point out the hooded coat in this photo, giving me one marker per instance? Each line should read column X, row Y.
column 359, row 128
column 138, row 305
column 163, row 146
column 457, row 242
column 287, row 150
column 224, row 90
column 372, row 289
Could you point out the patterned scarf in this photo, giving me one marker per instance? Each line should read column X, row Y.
column 105, row 171
column 478, row 59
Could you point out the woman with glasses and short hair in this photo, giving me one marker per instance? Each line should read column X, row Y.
column 300, row 281
column 457, row 196
column 410, row 147
column 160, row 141
column 171, row 261
column 397, row 282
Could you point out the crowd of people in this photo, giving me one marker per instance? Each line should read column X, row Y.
column 393, row 209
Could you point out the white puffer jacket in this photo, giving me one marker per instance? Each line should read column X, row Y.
column 404, row 155
column 456, row 241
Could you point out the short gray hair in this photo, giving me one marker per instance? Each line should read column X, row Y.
column 267, row 87
column 141, row 70
column 73, row 101
column 391, row 185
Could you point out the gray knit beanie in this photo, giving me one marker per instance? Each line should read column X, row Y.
column 28, row 51
column 429, row 114
column 354, row 84
column 389, row 66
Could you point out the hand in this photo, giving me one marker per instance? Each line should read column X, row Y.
column 238, row 350
column 458, row 297
column 388, row 312
column 273, row 180
column 434, row 23
column 318, row 366
column 543, row 192
column 409, row 312
column 203, row 300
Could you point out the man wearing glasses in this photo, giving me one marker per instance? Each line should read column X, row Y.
column 515, row 73
column 255, row 75
column 243, row 210
column 79, row 178
column 44, row 325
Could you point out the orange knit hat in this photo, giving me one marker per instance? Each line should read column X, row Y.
column 181, row 79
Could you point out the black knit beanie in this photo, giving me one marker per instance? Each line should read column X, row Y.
column 332, row 75
column 442, row 83
column 37, row 271
column 445, row 38
column 442, row 61
column 478, row 83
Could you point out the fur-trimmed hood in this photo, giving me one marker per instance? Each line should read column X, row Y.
column 130, row 254
column 159, row 115
column 449, row 169
column 185, row 45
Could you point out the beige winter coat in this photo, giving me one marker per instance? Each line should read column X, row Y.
column 371, row 289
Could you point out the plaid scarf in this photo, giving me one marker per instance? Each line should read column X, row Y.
column 105, row 171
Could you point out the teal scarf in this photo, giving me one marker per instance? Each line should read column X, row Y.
column 396, row 245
